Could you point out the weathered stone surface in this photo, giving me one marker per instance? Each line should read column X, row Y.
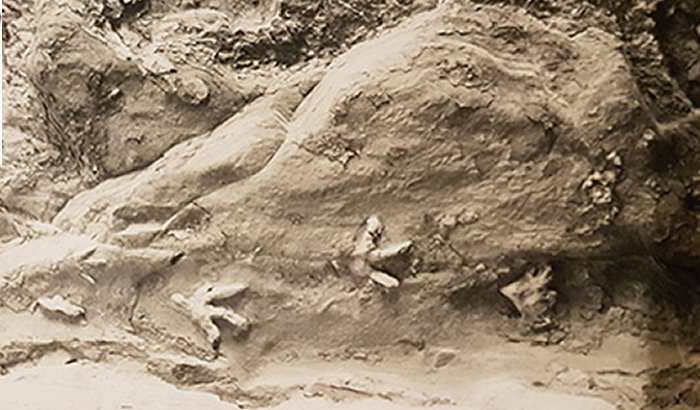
column 201, row 309
column 443, row 357
column 102, row 277
column 531, row 294
column 106, row 109
column 60, row 307
column 234, row 151
column 453, row 110
column 259, row 135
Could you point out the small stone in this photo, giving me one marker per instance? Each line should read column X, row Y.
column 369, row 236
column 531, row 295
column 190, row 4
column 443, row 357
column 383, row 264
column 694, row 72
column 383, row 279
column 542, row 325
column 448, row 222
column 89, row 279
column 138, row 235
column 58, row 304
column 556, row 337
column 394, row 259
column 158, row 64
column 468, row 217
column 113, row 9
column 648, row 135
column 360, row 356
column 614, row 158
column 7, row 227
column 192, row 90
column 608, row 177
column 601, row 195
column 203, row 311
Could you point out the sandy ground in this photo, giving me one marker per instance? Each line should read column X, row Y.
column 92, row 386
column 510, row 376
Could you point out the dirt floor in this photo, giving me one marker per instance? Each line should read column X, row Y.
column 395, row 204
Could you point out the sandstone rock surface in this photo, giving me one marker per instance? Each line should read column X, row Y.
column 395, row 182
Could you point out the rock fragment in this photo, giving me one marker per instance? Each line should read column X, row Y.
column 693, row 194
column 383, row 279
column 137, row 235
column 192, row 90
column 202, row 312
column 443, row 357
column 381, row 264
column 8, row 230
column 58, row 305
column 599, row 187
column 391, row 258
column 531, row 295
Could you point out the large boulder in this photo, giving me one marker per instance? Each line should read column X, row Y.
column 527, row 136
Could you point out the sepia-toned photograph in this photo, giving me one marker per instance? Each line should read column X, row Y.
column 350, row 205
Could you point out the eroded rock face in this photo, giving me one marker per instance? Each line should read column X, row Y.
column 201, row 309
column 103, row 277
column 488, row 139
column 112, row 108
column 122, row 82
column 457, row 107
column 237, row 149
column 457, row 110
column 475, row 139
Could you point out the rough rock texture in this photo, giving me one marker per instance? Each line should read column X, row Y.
column 235, row 150
column 113, row 109
column 33, row 179
column 374, row 172
column 105, row 278
column 531, row 295
column 437, row 108
column 201, row 310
